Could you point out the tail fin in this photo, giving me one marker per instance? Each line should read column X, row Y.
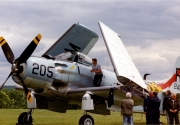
column 172, row 83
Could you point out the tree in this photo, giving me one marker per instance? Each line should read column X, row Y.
column 12, row 99
column 5, row 101
column 18, row 98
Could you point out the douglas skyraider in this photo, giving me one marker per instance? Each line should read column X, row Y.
column 62, row 76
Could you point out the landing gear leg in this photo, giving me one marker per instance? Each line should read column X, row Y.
column 25, row 118
column 86, row 119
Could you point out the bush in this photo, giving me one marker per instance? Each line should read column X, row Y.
column 12, row 99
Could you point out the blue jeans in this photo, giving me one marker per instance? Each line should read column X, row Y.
column 127, row 120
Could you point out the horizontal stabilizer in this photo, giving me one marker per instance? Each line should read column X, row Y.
column 124, row 68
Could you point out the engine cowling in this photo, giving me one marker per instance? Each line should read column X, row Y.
column 37, row 73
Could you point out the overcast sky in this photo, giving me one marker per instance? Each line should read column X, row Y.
column 150, row 30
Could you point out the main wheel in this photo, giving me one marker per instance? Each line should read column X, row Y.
column 86, row 120
column 22, row 119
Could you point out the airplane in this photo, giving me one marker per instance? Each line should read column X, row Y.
column 172, row 83
column 62, row 76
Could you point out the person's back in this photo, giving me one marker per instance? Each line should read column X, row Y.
column 153, row 112
column 154, row 102
column 127, row 109
column 145, row 105
column 154, row 105
column 146, row 101
column 157, row 103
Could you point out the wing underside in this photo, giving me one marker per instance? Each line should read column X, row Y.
column 103, row 92
column 124, row 68
column 77, row 38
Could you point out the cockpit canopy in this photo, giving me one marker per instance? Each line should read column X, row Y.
column 83, row 59
column 74, row 57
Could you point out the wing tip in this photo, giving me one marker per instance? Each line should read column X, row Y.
column 39, row 36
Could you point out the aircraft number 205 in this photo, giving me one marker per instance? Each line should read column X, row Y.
column 42, row 70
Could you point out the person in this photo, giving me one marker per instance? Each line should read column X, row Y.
column 157, row 103
column 146, row 101
column 166, row 98
column 152, row 111
column 127, row 109
column 96, row 68
column 173, row 107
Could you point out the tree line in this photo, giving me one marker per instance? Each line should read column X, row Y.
column 13, row 99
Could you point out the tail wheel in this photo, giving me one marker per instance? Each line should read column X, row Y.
column 86, row 120
column 22, row 119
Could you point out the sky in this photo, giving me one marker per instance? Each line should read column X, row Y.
column 148, row 29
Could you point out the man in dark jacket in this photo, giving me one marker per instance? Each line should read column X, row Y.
column 173, row 107
column 157, row 106
column 153, row 112
column 166, row 98
column 146, row 101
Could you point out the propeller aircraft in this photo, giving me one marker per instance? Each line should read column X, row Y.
column 62, row 76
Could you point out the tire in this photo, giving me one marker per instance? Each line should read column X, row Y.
column 86, row 120
column 22, row 119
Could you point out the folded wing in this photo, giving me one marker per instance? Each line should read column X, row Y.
column 124, row 68
column 77, row 38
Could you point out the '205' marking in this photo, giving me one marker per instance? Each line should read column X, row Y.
column 42, row 70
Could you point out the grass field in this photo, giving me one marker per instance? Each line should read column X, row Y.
column 71, row 117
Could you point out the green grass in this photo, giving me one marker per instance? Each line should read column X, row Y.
column 71, row 117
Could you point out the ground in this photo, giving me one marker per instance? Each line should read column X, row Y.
column 71, row 117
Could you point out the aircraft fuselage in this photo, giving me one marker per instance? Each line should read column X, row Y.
column 43, row 74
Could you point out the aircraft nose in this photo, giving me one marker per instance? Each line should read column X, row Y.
column 21, row 70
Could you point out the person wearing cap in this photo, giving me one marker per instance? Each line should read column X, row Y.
column 127, row 109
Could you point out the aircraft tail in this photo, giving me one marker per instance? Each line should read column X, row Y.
column 172, row 83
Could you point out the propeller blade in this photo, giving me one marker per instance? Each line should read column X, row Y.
column 5, row 81
column 26, row 91
column 24, row 86
column 7, row 50
column 29, row 50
